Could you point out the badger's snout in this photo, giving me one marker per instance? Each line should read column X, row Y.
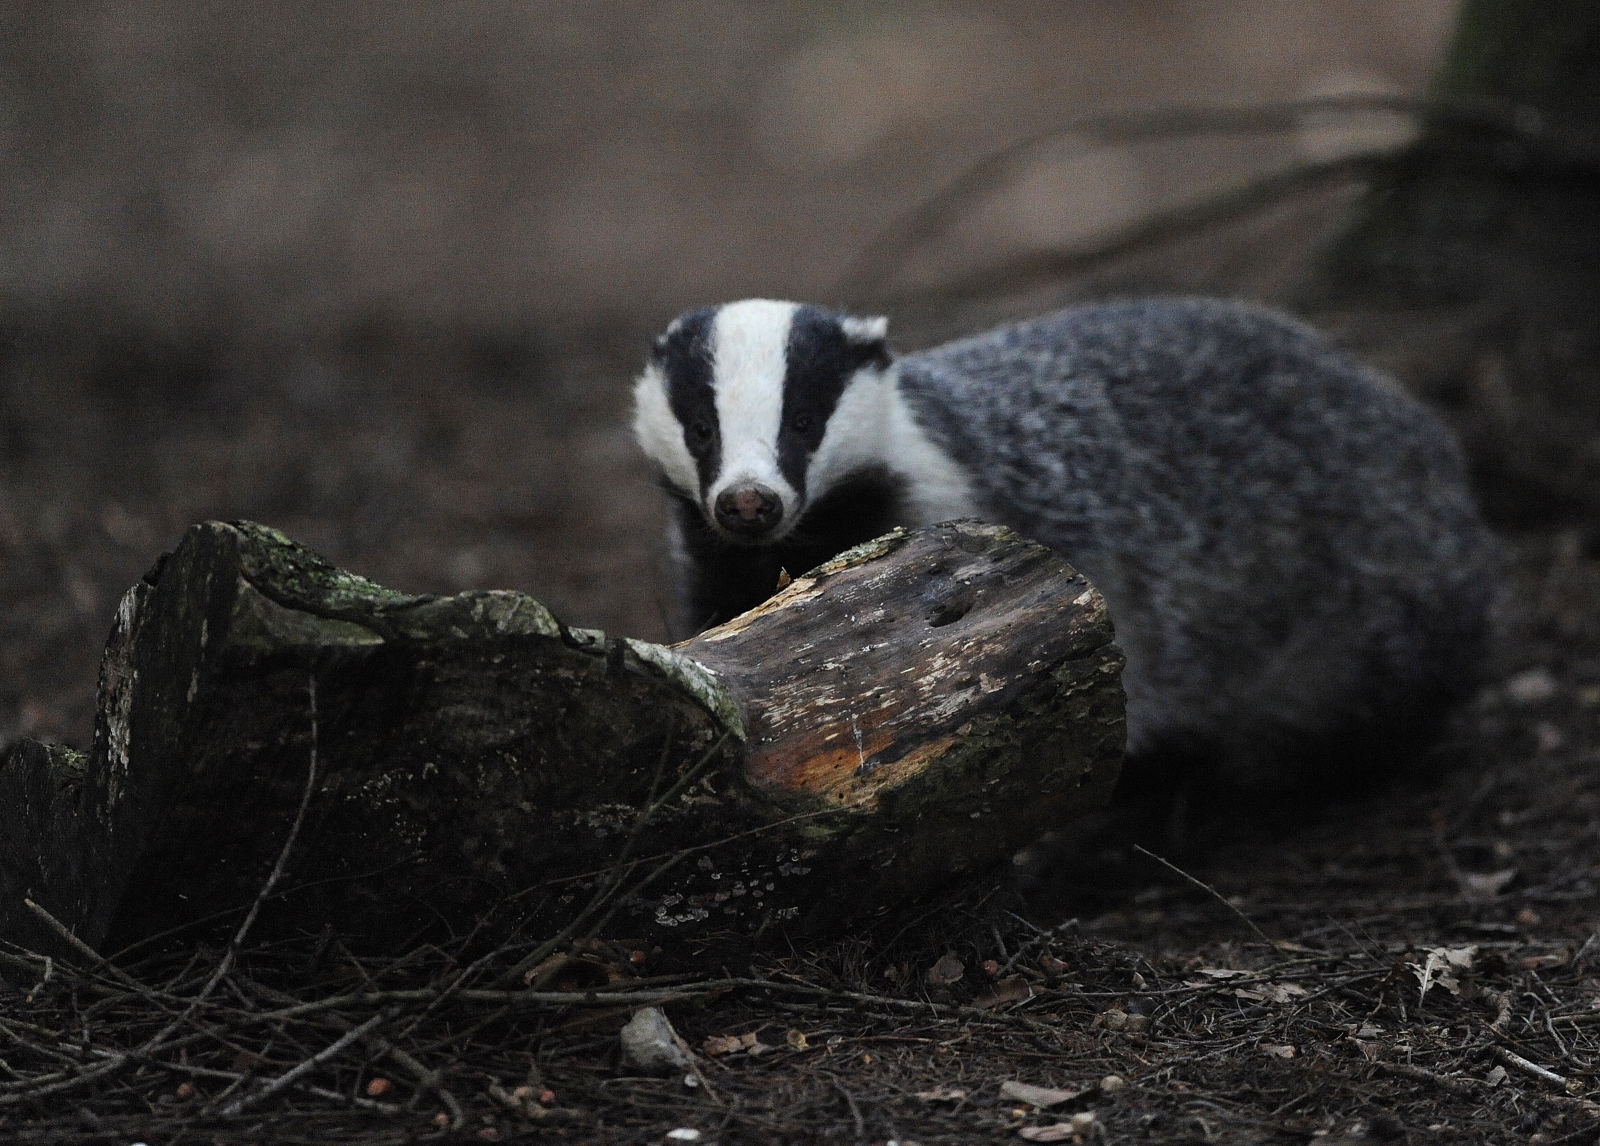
column 750, row 511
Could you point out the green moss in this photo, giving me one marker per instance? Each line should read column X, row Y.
column 861, row 554
column 262, row 624
column 300, row 578
column 294, row 597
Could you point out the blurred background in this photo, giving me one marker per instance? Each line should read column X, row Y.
column 379, row 274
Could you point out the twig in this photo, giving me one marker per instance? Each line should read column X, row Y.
column 562, row 999
column 49, row 969
column 855, row 1109
column 237, row 1078
column 1206, row 887
column 1038, row 939
column 458, row 1117
column 97, row 961
column 1461, row 1086
column 223, row 966
column 1149, row 232
column 760, row 829
column 61, row 929
column 1502, row 1004
column 1514, row 1060
column 621, row 869
column 290, row 1077
column 882, row 257
column 426, row 1079
column 610, row 879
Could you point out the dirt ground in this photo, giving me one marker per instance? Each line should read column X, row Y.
column 1416, row 962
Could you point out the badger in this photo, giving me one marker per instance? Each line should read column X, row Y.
column 1287, row 543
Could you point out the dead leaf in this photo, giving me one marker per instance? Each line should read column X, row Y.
column 1012, row 990
column 1081, row 1126
column 733, row 1044
column 1439, row 967
column 583, row 972
column 1043, row 1097
column 1111, row 1020
column 1496, row 1076
column 1277, row 1051
column 946, row 971
column 1531, row 686
column 796, row 1040
column 1270, row 992
column 1480, row 886
column 1534, row 962
column 1220, row 972
column 1050, row 965
column 1369, row 1050
column 943, row 1094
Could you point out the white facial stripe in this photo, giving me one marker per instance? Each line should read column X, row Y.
column 659, row 434
column 855, row 437
column 873, row 425
column 749, row 341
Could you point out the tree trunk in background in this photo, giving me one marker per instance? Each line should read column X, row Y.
column 905, row 716
column 1498, row 240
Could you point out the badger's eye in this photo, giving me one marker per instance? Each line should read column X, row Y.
column 700, row 431
column 801, row 423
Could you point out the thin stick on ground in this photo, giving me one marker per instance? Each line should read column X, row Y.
column 306, row 1066
column 96, row 961
column 1208, row 889
column 158, row 1040
column 623, row 868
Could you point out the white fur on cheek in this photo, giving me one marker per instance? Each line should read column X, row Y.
column 873, row 425
column 856, row 436
column 658, row 433
column 749, row 345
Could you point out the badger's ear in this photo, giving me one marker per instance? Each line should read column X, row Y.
column 865, row 331
column 870, row 338
column 658, row 348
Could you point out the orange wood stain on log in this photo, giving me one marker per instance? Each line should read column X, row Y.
column 831, row 775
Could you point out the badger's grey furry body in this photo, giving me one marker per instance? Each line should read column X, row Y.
column 1286, row 540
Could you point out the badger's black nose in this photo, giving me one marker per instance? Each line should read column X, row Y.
column 749, row 510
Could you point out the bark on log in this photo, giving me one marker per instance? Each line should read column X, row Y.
column 906, row 715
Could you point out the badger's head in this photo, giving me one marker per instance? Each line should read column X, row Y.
column 755, row 409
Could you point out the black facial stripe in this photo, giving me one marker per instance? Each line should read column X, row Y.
column 684, row 357
column 821, row 358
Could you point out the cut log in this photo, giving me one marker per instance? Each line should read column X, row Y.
column 908, row 714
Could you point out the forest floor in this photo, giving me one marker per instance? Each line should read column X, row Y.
column 1414, row 963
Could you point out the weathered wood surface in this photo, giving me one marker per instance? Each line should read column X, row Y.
column 904, row 716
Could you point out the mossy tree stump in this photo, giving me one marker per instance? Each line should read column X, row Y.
column 905, row 716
